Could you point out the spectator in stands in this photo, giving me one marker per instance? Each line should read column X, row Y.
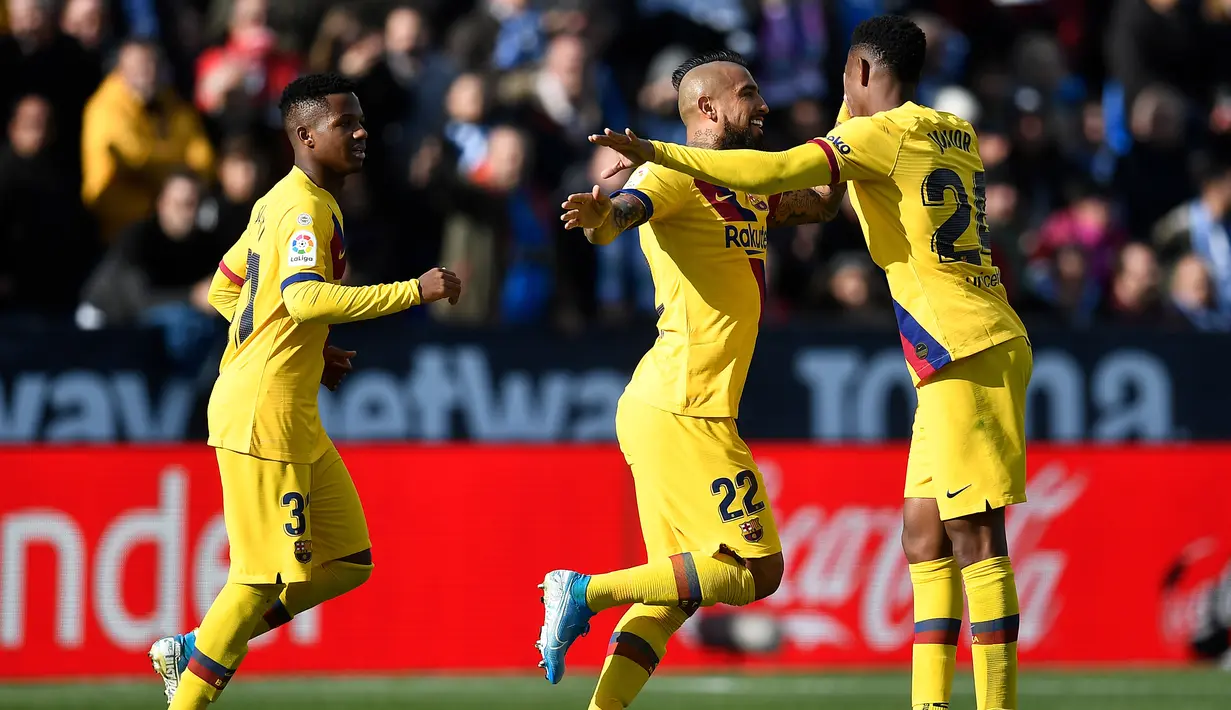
column 37, row 58
column 499, row 34
column 85, row 21
column 849, row 288
column 158, row 274
column 244, row 78
column 1192, row 296
column 43, row 219
column 1134, row 298
column 465, row 129
column 1153, row 177
column 404, row 98
column 137, row 131
column 1203, row 226
column 1061, row 287
column 1088, row 222
column 225, row 211
column 562, row 102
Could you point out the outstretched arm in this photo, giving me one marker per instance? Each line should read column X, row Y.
column 817, row 204
column 801, row 167
column 603, row 218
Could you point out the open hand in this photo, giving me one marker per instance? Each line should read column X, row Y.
column 440, row 283
column 587, row 210
column 337, row 366
column 633, row 150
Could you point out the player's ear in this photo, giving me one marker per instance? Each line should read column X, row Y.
column 305, row 136
column 706, row 107
column 865, row 72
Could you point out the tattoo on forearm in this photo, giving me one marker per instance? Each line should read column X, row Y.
column 819, row 204
column 626, row 212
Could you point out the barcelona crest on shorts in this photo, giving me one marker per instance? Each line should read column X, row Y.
column 303, row 550
column 752, row 530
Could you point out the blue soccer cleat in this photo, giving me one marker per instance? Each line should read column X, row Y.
column 565, row 618
column 170, row 659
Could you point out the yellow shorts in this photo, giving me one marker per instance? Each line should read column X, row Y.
column 283, row 518
column 698, row 489
column 968, row 450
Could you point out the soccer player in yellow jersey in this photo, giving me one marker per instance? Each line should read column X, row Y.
column 297, row 532
column 709, row 530
column 917, row 183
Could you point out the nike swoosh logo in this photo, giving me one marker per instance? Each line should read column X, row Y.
column 959, row 491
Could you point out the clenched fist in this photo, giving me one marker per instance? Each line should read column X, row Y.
column 440, row 283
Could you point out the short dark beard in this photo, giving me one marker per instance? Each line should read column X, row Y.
column 735, row 138
column 731, row 138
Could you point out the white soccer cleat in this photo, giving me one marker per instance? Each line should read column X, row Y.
column 169, row 656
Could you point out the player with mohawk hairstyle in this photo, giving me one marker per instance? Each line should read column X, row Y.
column 296, row 528
column 917, row 183
column 705, row 514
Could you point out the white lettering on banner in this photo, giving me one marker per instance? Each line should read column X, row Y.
column 445, row 384
column 82, row 405
column 163, row 526
column 1132, row 393
column 20, row 530
column 852, row 555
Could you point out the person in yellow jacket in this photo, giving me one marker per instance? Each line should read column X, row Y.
column 135, row 133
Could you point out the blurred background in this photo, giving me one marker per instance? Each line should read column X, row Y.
column 138, row 134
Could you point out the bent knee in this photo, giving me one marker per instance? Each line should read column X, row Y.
column 767, row 574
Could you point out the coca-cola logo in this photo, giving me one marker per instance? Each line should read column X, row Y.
column 847, row 583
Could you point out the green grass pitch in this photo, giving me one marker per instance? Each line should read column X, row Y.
column 1126, row 690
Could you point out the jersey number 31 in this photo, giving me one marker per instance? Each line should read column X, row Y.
column 944, row 240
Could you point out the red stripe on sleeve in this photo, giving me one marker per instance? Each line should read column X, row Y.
column 226, row 271
column 833, row 159
column 774, row 201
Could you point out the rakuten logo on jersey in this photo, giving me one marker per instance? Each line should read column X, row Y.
column 95, row 581
column 847, row 582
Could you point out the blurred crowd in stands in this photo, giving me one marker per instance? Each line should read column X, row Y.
column 140, row 132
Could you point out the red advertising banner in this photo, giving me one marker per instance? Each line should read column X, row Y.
column 102, row 550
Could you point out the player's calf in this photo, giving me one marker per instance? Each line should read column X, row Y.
column 982, row 551
column 937, row 586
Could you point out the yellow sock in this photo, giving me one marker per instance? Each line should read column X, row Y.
column 222, row 641
column 332, row 579
column 636, row 649
column 994, row 619
column 683, row 580
column 938, row 624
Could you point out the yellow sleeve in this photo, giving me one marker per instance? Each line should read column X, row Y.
column 658, row 188
column 229, row 279
column 863, row 148
column 302, row 235
column 321, row 302
column 753, row 171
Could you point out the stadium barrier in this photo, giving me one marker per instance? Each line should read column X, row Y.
column 104, row 549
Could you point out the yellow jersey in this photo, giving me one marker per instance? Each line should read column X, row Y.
column 918, row 188
column 705, row 245
column 264, row 401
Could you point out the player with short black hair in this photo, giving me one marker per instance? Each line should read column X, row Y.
column 917, row 182
column 706, row 248
column 279, row 286
column 722, row 55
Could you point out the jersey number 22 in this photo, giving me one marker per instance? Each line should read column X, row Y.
column 944, row 240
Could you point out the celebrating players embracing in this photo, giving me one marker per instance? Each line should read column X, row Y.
column 918, row 187
column 297, row 533
column 709, row 531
